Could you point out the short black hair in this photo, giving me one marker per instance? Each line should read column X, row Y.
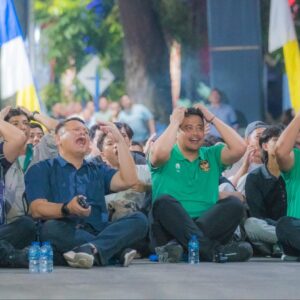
column 211, row 140
column 119, row 125
column 93, row 130
column 269, row 133
column 100, row 141
column 214, row 89
column 64, row 122
column 13, row 112
column 135, row 143
column 126, row 127
column 193, row 111
column 36, row 125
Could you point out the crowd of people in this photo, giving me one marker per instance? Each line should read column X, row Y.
column 103, row 189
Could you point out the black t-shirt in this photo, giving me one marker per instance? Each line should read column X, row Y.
column 265, row 194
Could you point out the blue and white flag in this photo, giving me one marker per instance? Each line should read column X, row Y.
column 16, row 77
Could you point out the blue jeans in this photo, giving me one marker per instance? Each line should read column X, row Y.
column 19, row 233
column 64, row 235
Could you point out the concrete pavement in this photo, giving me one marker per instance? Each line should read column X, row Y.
column 261, row 278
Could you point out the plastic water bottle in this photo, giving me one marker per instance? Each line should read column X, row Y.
column 33, row 257
column 194, row 250
column 49, row 257
column 44, row 259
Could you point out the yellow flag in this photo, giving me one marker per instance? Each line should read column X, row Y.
column 282, row 34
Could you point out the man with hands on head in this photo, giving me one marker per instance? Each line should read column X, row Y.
column 20, row 117
column 83, row 235
column 185, row 178
column 288, row 159
column 17, row 234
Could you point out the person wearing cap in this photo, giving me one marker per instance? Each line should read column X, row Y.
column 288, row 158
column 251, row 159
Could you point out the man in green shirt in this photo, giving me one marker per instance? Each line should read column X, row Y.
column 185, row 178
column 288, row 158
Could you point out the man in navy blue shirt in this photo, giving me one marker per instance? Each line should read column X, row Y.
column 83, row 235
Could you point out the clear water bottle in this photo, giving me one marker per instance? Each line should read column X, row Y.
column 49, row 257
column 44, row 259
column 193, row 250
column 34, row 257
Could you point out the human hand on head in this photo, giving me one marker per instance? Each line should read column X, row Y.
column 111, row 130
column 177, row 115
column 26, row 111
column 208, row 116
column 4, row 112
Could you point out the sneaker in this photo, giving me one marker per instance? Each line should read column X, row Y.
column 11, row 257
column 80, row 257
column 171, row 252
column 285, row 257
column 277, row 251
column 127, row 257
column 236, row 251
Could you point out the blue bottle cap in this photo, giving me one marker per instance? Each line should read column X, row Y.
column 153, row 257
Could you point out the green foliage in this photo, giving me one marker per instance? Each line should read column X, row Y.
column 51, row 94
column 176, row 17
column 173, row 15
column 70, row 28
column 66, row 26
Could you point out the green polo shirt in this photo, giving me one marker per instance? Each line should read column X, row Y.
column 194, row 184
column 292, row 185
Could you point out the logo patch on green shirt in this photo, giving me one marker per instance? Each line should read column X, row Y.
column 204, row 165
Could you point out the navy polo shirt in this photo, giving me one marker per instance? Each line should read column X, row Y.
column 59, row 181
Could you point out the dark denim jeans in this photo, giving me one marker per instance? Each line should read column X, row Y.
column 288, row 233
column 64, row 235
column 19, row 233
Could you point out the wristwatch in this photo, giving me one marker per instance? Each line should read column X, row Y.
column 65, row 210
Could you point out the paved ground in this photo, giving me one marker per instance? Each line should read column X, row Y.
column 257, row 279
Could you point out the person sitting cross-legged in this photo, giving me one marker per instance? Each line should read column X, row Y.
column 288, row 158
column 21, row 231
column 266, row 197
column 82, row 235
column 185, row 179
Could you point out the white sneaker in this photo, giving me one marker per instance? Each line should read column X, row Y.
column 80, row 257
column 285, row 257
column 127, row 257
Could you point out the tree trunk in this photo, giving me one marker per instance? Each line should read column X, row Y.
column 147, row 66
column 192, row 68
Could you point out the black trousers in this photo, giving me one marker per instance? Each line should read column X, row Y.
column 288, row 233
column 216, row 226
column 19, row 233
